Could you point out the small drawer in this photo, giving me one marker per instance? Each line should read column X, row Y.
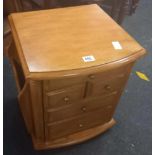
column 105, row 87
column 61, row 83
column 80, row 108
column 107, row 82
column 86, row 121
column 64, row 97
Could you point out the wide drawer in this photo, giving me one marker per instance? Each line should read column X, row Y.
column 85, row 121
column 81, row 107
column 95, row 76
column 63, row 97
column 116, row 72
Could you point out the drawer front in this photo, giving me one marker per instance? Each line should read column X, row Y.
column 109, row 74
column 61, row 83
column 105, row 87
column 83, row 122
column 107, row 82
column 64, row 97
column 81, row 107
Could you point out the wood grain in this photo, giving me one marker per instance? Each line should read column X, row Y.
column 55, row 35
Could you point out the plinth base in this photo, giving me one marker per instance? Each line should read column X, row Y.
column 74, row 138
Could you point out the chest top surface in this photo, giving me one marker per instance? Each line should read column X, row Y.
column 58, row 39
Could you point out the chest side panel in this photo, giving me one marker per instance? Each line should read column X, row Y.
column 37, row 109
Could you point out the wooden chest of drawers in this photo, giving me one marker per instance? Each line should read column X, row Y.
column 71, row 66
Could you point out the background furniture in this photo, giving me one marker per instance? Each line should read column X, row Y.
column 57, row 89
column 115, row 8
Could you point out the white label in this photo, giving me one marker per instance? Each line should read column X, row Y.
column 116, row 45
column 88, row 58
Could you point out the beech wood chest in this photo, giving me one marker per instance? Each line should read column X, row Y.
column 71, row 66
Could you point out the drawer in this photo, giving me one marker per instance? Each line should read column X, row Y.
column 64, row 82
column 117, row 72
column 81, row 107
column 105, row 87
column 64, row 97
column 83, row 122
column 107, row 82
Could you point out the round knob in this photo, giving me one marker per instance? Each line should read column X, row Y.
column 91, row 76
column 107, row 87
column 80, row 125
column 83, row 109
column 66, row 99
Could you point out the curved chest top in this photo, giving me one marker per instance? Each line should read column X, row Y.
column 73, row 38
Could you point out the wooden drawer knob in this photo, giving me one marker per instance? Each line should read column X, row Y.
column 107, row 87
column 66, row 99
column 80, row 125
column 83, row 109
column 92, row 76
